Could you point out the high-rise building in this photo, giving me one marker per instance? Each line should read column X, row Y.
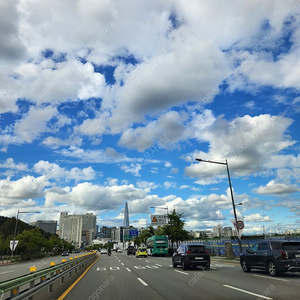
column 217, row 230
column 79, row 230
column 227, row 231
column 106, row 231
column 126, row 216
column 46, row 225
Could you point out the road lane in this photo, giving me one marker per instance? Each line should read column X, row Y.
column 126, row 277
column 109, row 279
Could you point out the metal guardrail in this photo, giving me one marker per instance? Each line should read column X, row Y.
column 45, row 277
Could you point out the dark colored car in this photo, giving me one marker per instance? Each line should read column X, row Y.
column 191, row 255
column 131, row 250
column 65, row 253
column 274, row 256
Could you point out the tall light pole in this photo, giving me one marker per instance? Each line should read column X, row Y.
column 15, row 232
column 233, row 205
column 162, row 207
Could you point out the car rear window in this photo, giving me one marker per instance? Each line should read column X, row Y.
column 291, row 246
column 142, row 249
column 276, row 245
column 197, row 249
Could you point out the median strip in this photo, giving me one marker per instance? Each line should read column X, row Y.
column 250, row 293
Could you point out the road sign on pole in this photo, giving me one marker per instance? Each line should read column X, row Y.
column 240, row 224
column 13, row 245
column 158, row 220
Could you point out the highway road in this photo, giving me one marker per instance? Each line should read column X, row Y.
column 126, row 277
column 9, row 271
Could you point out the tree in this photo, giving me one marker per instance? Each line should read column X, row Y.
column 31, row 241
column 146, row 233
column 174, row 229
column 55, row 244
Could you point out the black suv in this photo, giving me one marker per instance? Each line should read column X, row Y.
column 273, row 256
column 131, row 250
column 191, row 255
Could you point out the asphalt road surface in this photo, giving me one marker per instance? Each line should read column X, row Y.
column 127, row 277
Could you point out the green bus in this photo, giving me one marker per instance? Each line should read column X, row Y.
column 157, row 245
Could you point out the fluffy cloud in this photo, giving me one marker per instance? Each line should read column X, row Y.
column 132, row 168
column 103, row 198
column 24, row 188
column 12, row 47
column 247, row 142
column 273, row 188
column 257, row 218
column 54, row 171
column 168, row 129
column 10, row 164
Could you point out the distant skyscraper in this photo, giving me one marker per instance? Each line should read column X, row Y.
column 126, row 216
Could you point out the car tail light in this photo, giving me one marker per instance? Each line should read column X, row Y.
column 284, row 254
column 188, row 252
column 206, row 251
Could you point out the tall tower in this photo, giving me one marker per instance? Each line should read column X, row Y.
column 126, row 216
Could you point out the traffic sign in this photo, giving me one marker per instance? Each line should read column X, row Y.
column 133, row 232
column 240, row 224
column 127, row 237
column 158, row 220
column 13, row 245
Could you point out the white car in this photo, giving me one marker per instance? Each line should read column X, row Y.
column 103, row 251
column 119, row 250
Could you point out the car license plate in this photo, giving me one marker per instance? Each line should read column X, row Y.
column 198, row 257
column 297, row 255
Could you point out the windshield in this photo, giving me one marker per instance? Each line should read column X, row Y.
column 151, row 124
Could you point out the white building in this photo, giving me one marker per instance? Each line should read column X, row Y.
column 227, row 231
column 79, row 230
column 217, row 230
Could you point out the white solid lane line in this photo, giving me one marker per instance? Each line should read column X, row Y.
column 270, row 277
column 256, row 295
column 142, row 281
column 7, row 272
column 182, row 272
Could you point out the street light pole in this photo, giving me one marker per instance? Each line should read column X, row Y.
column 15, row 232
column 232, row 200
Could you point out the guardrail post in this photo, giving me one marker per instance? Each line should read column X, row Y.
column 31, row 284
column 50, row 287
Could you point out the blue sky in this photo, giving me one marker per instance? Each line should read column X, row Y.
column 113, row 101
